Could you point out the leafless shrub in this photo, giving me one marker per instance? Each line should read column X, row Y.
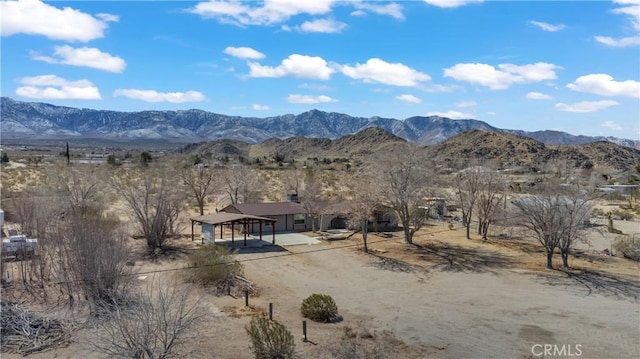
column 360, row 343
column 91, row 259
column 155, row 200
column 153, row 326
column 628, row 247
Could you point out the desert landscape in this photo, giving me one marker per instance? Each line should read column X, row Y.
column 441, row 296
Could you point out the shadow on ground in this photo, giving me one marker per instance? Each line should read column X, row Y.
column 594, row 282
column 452, row 258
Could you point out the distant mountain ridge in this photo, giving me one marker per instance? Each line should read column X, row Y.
column 33, row 119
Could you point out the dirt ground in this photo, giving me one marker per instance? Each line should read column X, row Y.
column 443, row 297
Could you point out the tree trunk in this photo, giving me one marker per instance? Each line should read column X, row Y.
column 549, row 259
column 565, row 259
column 365, row 231
column 408, row 236
column 468, row 230
column 201, row 207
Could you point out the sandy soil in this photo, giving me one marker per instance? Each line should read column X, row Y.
column 443, row 297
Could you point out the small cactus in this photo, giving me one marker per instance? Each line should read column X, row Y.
column 319, row 307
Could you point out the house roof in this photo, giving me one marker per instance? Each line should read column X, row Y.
column 284, row 208
column 266, row 209
column 223, row 217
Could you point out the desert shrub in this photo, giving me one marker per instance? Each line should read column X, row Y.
column 628, row 247
column 319, row 307
column 360, row 343
column 270, row 339
column 597, row 212
column 213, row 265
column 622, row 215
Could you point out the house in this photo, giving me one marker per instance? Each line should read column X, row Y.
column 436, row 207
column 289, row 216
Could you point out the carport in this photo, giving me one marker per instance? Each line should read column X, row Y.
column 231, row 219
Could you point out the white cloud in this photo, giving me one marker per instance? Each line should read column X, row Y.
column 37, row 18
column 451, row 3
column 454, row 115
column 309, row 99
column 619, row 42
column 538, row 96
column 270, row 12
column 327, row 26
column 502, row 77
column 585, row 106
column 108, row 17
column 408, row 98
column 605, row 85
column 85, row 57
column 244, row 53
column 464, row 104
column 376, row 70
column 154, row 96
column 392, row 9
column 612, row 125
column 52, row 87
column 631, row 9
column 547, row 27
column 257, row 107
column 301, row 66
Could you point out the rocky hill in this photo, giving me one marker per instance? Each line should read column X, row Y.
column 504, row 150
column 507, row 150
column 45, row 121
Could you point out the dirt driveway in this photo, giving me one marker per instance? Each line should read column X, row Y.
column 462, row 313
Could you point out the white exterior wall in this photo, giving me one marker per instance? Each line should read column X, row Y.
column 208, row 233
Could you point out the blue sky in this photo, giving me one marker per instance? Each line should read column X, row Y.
column 563, row 65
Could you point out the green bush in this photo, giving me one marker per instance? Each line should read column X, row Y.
column 270, row 339
column 213, row 265
column 319, row 307
column 628, row 247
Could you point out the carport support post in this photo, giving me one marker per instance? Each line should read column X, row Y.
column 273, row 232
column 221, row 230
column 245, row 234
column 260, row 229
column 232, row 229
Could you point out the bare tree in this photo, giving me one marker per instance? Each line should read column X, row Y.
column 468, row 183
column 292, row 180
column 240, row 183
column 556, row 221
column 366, row 198
column 404, row 183
column 91, row 258
column 490, row 200
column 155, row 199
column 153, row 326
column 200, row 182
column 82, row 188
column 575, row 211
column 311, row 194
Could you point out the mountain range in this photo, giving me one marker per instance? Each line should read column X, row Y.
column 41, row 120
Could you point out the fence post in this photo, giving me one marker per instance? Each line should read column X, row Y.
column 270, row 311
column 304, row 330
column 246, row 297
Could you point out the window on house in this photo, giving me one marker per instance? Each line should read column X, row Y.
column 299, row 219
column 382, row 217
